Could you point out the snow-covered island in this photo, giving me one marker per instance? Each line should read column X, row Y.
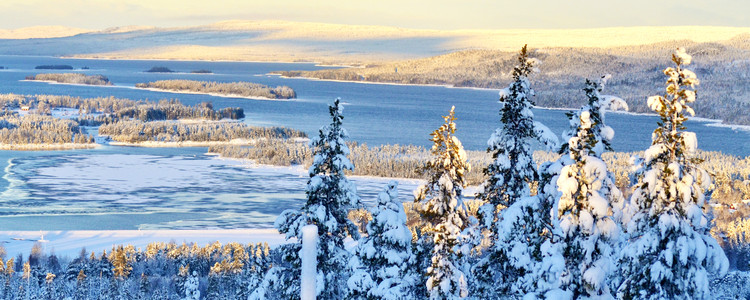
column 227, row 89
column 190, row 133
column 41, row 132
column 71, row 78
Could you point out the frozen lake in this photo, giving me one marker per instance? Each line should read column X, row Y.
column 116, row 188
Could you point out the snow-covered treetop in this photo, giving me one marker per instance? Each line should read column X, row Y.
column 331, row 145
column 330, row 194
column 513, row 168
column 520, row 88
column 448, row 148
column 673, row 107
column 591, row 117
column 445, row 173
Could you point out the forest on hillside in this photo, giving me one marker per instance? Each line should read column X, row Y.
column 723, row 67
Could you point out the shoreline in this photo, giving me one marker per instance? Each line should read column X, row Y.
column 213, row 94
column 67, row 83
column 69, row 242
column 315, row 63
column 44, row 147
column 155, row 144
column 716, row 122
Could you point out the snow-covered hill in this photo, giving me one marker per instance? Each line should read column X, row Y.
column 41, row 32
column 299, row 41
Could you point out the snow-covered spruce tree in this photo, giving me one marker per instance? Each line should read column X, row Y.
column 330, row 196
column 513, row 168
column 381, row 261
column 586, row 194
column 670, row 251
column 509, row 178
column 441, row 206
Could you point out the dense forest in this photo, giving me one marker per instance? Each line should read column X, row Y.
column 96, row 111
column 72, row 78
column 724, row 69
column 160, row 271
column 241, row 89
column 31, row 132
column 135, row 131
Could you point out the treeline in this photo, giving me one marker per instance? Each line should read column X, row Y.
column 28, row 131
column 134, row 131
column 244, row 89
column 724, row 79
column 174, row 110
column 54, row 67
column 112, row 109
column 169, row 271
column 161, row 271
column 397, row 161
column 731, row 174
column 73, row 78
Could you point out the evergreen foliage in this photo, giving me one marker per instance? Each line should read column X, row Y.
column 330, row 196
column 670, row 251
column 589, row 202
column 136, row 131
column 440, row 204
column 509, row 178
column 382, row 261
column 513, row 169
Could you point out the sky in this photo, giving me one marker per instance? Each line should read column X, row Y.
column 417, row 14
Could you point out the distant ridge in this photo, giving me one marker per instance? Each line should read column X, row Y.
column 40, row 32
column 269, row 40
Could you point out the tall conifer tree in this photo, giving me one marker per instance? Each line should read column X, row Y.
column 330, row 197
column 671, row 251
column 440, row 203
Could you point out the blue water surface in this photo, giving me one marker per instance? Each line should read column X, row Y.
column 36, row 187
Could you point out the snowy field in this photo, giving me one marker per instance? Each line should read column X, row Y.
column 119, row 191
column 70, row 243
column 100, row 199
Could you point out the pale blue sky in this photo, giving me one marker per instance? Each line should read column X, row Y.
column 423, row 14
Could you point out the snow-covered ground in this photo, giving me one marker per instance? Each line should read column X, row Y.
column 98, row 199
column 155, row 189
column 70, row 243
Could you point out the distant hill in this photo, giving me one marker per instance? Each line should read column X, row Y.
column 41, row 32
column 327, row 43
column 723, row 68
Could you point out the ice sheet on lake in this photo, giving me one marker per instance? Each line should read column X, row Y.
column 136, row 191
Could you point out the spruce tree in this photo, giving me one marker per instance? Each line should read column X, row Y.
column 509, row 178
column 586, row 193
column 330, row 197
column 381, row 261
column 513, row 169
column 440, row 204
column 671, row 251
